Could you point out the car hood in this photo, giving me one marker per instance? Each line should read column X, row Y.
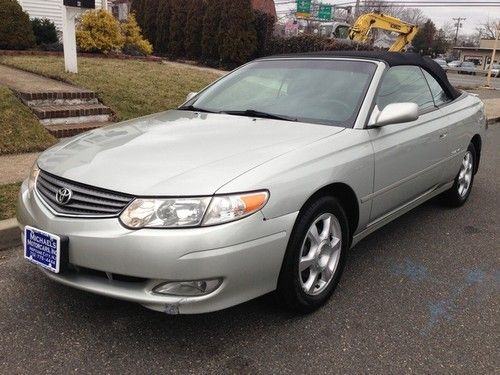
column 176, row 152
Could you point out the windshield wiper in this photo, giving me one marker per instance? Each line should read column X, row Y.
column 254, row 113
column 193, row 108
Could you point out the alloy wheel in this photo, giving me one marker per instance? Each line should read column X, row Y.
column 465, row 174
column 320, row 254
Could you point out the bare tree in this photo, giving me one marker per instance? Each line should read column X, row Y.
column 487, row 29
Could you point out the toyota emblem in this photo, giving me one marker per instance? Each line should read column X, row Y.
column 63, row 196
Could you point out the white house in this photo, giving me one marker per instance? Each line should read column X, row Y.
column 52, row 9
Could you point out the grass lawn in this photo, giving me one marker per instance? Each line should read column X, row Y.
column 8, row 198
column 20, row 130
column 132, row 88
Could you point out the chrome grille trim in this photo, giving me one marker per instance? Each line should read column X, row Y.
column 86, row 201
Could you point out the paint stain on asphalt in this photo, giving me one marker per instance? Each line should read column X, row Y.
column 410, row 269
column 484, row 285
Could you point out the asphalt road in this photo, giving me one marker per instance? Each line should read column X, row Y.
column 422, row 295
column 468, row 81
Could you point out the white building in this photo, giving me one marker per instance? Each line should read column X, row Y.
column 52, row 9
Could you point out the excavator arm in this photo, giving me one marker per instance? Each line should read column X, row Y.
column 360, row 31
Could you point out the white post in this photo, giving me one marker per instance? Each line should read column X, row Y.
column 69, row 39
column 497, row 35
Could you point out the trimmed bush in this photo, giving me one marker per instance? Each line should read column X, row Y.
column 163, row 27
column 178, row 19
column 264, row 27
column 194, row 29
column 133, row 38
column 45, row 31
column 237, row 40
column 309, row 43
column 15, row 26
column 149, row 24
column 211, row 21
column 99, row 31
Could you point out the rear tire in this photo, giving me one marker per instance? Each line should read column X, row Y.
column 458, row 194
column 315, row 255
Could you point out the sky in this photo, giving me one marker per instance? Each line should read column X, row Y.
column 440, row 15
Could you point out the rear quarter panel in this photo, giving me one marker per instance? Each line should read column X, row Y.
column 466, row 118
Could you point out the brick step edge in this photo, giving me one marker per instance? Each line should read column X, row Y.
column 10, row 234
column 56, row 111
column 69, row 130
column 493, row 120
column 56, row 95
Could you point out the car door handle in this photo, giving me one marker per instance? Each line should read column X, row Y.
column 443, row 135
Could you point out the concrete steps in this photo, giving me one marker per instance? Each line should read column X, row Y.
column 71, row 114
column 64, row 131
column 67, row 113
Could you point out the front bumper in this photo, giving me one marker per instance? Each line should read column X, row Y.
column 247, row 254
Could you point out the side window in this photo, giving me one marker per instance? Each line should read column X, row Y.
column 404, row 84
column 437, row 91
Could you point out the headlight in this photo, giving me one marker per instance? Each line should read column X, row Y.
column 33, row 176
column 233, row 207
column 191, row 212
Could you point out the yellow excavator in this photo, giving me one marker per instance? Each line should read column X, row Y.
column 361, row 30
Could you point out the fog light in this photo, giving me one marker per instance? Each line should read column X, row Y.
column 188, row 288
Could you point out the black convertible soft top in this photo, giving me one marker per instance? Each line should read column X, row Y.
column 391, row 59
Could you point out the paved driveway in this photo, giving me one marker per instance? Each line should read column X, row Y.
column 421, row 295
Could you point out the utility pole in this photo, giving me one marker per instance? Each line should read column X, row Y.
column 458, row 25
column 356, row 10
column 497, row 34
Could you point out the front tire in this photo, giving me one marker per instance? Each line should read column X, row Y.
column 458, row 194
column 315, row 255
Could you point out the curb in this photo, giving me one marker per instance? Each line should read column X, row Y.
column 10, row 234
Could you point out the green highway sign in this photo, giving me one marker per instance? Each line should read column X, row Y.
column 304, row 8
column 325, row 12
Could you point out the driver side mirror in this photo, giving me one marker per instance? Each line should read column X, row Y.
column 394, row 113
column 191, row 95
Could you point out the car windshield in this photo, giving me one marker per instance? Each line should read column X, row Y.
column 324, row 91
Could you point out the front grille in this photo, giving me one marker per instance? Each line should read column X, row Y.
column 86, row 201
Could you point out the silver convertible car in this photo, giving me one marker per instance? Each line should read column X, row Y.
column 261, row 182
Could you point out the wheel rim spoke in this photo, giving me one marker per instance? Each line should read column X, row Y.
column 327, row 223
column 306, row 262
column 313, row 234
column 310, row 284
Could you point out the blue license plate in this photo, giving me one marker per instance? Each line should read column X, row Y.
column 42, row 248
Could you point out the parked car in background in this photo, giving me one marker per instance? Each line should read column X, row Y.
column 467, row 67
column 454, row 64
column 442, row 63
column 495, row 70
column 261, row 182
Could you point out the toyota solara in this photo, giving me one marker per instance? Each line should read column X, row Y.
column 261, row 182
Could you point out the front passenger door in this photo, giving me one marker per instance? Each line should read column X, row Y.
column 407, row 156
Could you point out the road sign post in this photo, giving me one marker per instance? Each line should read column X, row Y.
column 71, row 9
